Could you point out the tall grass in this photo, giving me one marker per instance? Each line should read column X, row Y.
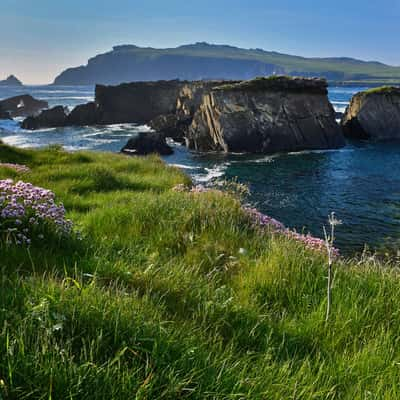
column 159, row 300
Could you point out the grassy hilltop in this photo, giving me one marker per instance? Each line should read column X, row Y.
column 173, row 295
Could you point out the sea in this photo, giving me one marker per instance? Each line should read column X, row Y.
column 360, row 182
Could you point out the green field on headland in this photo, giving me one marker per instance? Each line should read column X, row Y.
column 174, row 294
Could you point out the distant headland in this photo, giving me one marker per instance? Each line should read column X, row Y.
column 200, row 61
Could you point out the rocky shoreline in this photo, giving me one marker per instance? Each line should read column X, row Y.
column 262, row 115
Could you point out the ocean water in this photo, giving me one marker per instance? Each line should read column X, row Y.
column 360, row 183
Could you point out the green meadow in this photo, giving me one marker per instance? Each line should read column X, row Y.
column 175, row 295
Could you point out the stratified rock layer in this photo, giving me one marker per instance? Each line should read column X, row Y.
column 266, row 115
column 374, row 114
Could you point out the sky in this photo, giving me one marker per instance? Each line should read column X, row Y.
column 40, row 38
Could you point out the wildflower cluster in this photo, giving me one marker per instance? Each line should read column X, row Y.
column 264, row 221
column 27, row 210
column 16, row 167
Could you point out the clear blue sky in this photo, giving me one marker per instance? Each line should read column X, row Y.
column 40, row 38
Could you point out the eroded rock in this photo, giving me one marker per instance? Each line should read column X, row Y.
column 23, row 105
column 52, row 118
column 374, row 114
column 266, row 115
column 144, row 143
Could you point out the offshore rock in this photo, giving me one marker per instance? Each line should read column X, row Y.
column 144, row 143
column 266, row 115
column 374, row 114
column 23, row 105
column 11, row 81
column 52, row 118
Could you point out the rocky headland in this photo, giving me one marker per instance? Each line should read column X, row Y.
column 373, row 114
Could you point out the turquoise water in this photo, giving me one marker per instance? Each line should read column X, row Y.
column 360, row 182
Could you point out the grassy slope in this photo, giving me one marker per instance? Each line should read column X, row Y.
column 352, row 68
column 158, row 302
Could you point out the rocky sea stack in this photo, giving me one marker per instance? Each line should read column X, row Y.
column 11, row 81
column 265, row 115
column 374, row 114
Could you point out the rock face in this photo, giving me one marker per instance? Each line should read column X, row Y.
column 266, row 115
column 374, row 114
column 11, row 81
column 23, row 106
column 138, row 102
column 52, row 118
column 188, row 102
column 144, row 143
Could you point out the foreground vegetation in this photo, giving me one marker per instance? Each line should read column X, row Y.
column 173, row 295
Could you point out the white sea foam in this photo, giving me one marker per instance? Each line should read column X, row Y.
column 211, row 173
column 181, row 166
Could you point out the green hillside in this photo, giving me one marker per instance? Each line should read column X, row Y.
column 207, row 61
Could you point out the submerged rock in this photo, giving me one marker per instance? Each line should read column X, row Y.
column 23, row 105
column 265, row 115
column 52, row 118
column 144, row 143
column 374, row 114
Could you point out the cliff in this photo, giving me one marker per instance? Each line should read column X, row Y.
column 138, row 102
column 374, row 114
column 203, row 61
column 265, row 115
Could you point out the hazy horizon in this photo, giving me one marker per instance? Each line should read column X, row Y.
column 44, row 39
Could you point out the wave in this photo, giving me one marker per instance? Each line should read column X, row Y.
column 182, row 166
column 211, row 173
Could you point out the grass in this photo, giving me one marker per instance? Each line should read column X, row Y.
column 158, row 301
column 276, row 82
column 383, row 90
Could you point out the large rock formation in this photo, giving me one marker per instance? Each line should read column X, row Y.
column 138, row 102
column 11, row 81
column 266, row 115
column 52, row 118
column 374, row 114
column 144, row 143
column 23, row 105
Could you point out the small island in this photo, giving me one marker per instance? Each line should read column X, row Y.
column 11, row 80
